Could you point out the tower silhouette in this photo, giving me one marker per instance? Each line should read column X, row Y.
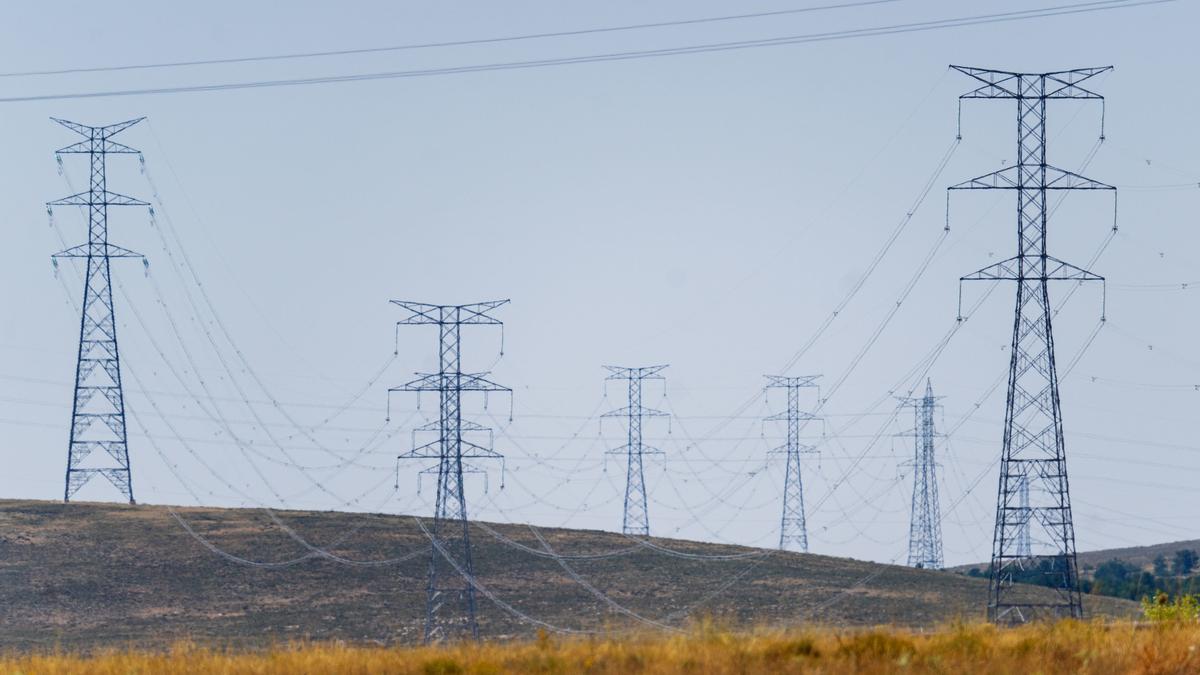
column 1033, row 459
column 99, row 443
column 637, row 515
column 793, row 531
column 925, row 524
column 450, row 589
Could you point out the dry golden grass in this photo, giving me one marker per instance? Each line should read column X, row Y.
column 1068, row 647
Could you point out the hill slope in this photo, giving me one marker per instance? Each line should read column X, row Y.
column 1140, row 556
column 84, row 575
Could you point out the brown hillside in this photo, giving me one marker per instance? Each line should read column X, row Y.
column 84, row 575
column 1142, row 556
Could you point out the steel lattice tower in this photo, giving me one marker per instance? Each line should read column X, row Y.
column 925, row 526
column 637, row 516
column 450, row 591
column 793, row 532
column 98, row 406
column 1033, row 456
column 1024, row 543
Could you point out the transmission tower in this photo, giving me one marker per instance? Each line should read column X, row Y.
column 637, row 516
column 793, row 533
column 1034, row 456
column 98, row 406
column 450, row 591
column 1024, row 544
column 925, row 527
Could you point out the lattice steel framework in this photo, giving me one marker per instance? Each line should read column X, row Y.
column 925, row 524
column 450, row 590
column 1024, row 543
column 637, row 516
column 98, row 405
column 793, row 531
column 1034, row 456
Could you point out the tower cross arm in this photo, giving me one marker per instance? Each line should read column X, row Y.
column 433, row 450
column 1007, row 84
column 86, row 250
column 1010, row 178
column 105, row 132
column 1011, row 270
column 110, row 199
column 643, row 411
column 465, row 425
column 475, row 451
column 641, row 449
column 799, row 416
column 1065, row 84
column 799, row 449
column 460, row 382
column 642, row 373
column 430, row 450
column 784, row 381
column 106, row 146
column 426, row 313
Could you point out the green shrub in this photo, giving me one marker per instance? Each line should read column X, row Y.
column 1162, row 610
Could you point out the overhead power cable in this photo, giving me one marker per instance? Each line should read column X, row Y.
column 698, row 556
column 487, row 593
column 448, row 43
column 874, row 31
column 314, row 552
column 861, row 281
column 500, row 537
column 597, row 593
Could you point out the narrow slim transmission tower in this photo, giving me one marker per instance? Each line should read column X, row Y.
column 98, row 405
column 925, row 526
column 1024, row 543
column 450, row 590
column 637, row 515
column 793, row 531
column 1033, row 458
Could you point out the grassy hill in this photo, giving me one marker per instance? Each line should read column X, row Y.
column 85, row 575
column 1139, row 556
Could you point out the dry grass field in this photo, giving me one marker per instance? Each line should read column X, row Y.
column 1068, row 647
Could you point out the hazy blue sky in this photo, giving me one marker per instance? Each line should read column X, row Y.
column 708, row 211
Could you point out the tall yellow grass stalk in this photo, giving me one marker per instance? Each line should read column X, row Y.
column 1067, row 647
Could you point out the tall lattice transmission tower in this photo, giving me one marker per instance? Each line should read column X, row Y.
column 1024, row 542
column 450, row 590
column 1033, row 457
column 793, row 532
column 98, row 442
column 637, row 516
column 925, row 526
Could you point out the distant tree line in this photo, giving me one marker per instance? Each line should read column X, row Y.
column 1118, row 578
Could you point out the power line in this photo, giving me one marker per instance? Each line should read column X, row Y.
column 449, row 43
column 876, row 31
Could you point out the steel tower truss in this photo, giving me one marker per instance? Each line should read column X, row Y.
column 637, row 517
column 1034, row 456
column 1024, row 543
column 925, row 526
column 450, row 591
column 98, row 406
column 793, row 532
